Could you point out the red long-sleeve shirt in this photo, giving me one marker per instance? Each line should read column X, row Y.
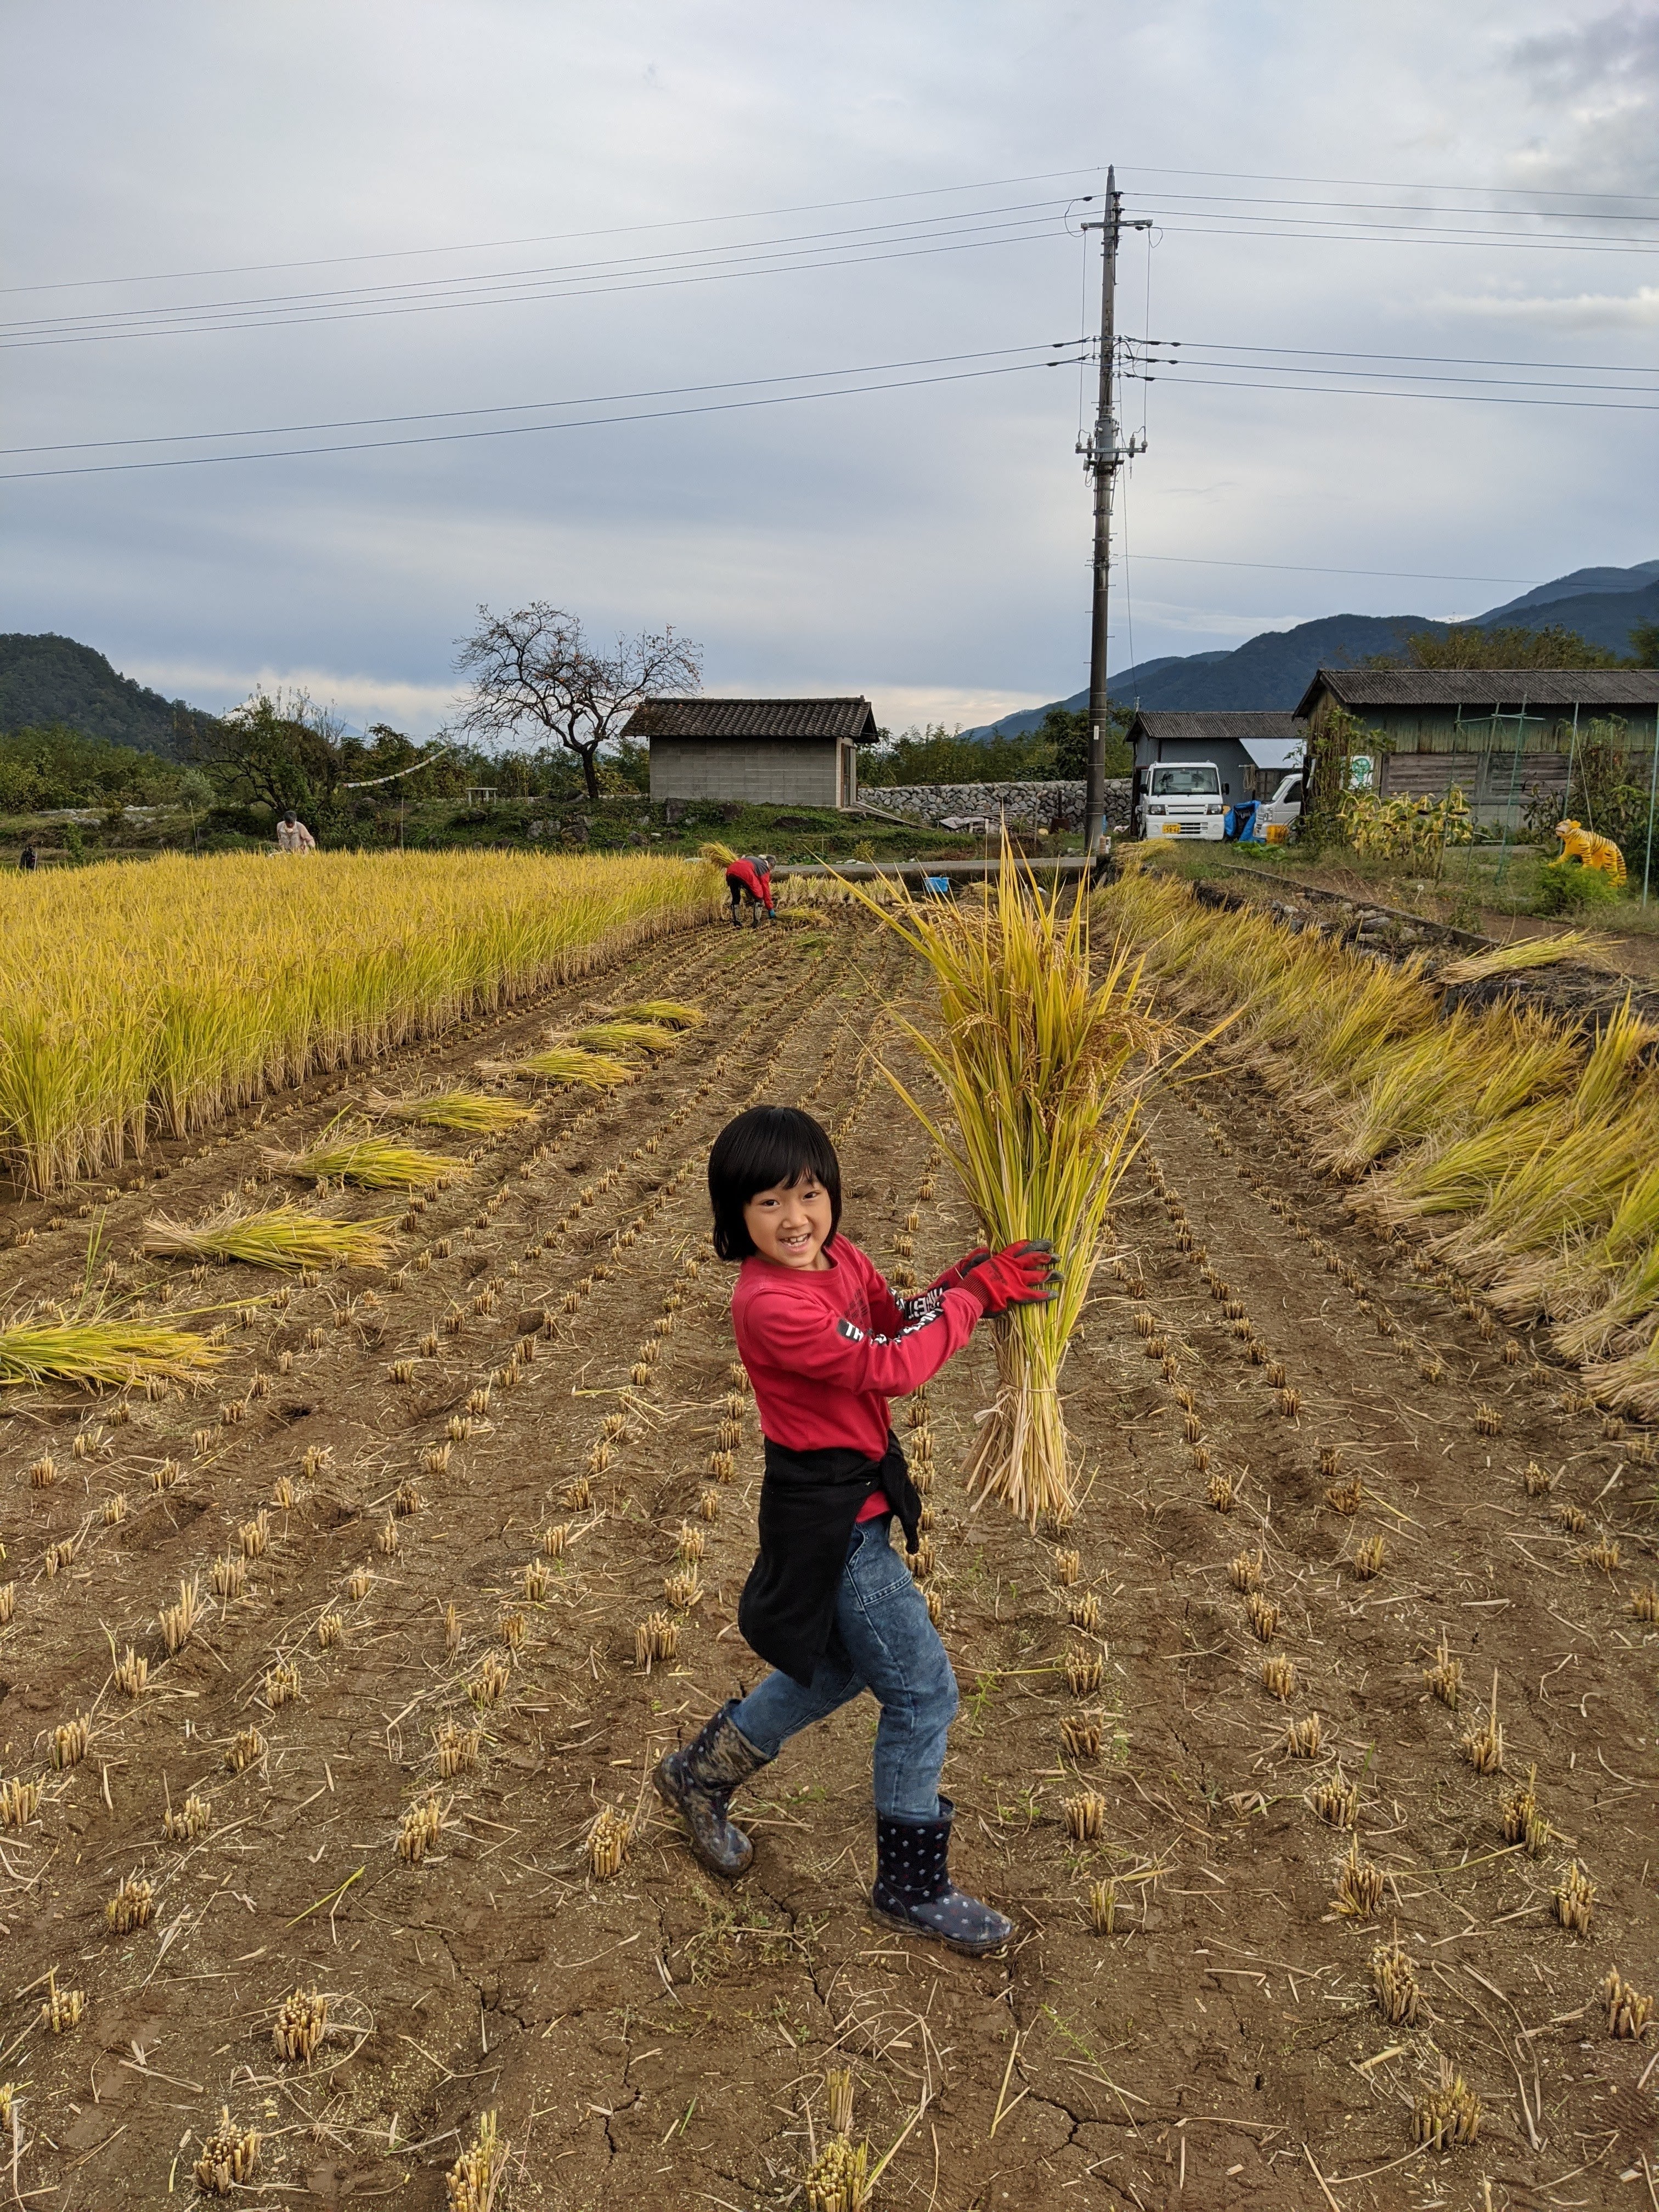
column 745, row 872
column 827, row 1347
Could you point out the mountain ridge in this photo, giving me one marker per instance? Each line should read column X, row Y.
column 46, row 677
column 1270, row 671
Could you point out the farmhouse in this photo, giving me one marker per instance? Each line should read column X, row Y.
column 1504, row 736
column 766, row 752
column 1254, row 752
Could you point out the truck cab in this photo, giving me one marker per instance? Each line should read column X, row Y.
column 1277, row 816
column 1183, row 798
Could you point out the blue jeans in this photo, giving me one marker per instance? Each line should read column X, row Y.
column 891, row 1649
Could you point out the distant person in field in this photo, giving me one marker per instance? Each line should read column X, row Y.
column 750, row 881
column 829, row 1603
column 293, row 837
column 28, row 859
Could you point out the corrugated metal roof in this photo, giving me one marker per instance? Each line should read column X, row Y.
column 752, row 719
column 1281, row 753
column 1482, row 690
column 1215, row 728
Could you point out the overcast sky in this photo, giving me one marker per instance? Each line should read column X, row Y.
column 230, row 220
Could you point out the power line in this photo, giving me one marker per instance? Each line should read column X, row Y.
column 626, row 264
column 554, row 237
column 531, row 406
column 1360, row 235
column 521, row 430
column 806, row 261
column 1188, row 360
column 1448, row 399
column 1414, row 207
column 1382, row 184
column 1454, row 360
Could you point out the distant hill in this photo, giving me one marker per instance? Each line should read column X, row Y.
column 1273, row 669
column 46, row 679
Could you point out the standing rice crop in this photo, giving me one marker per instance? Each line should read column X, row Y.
column 1036, row 1052
column 139, row 999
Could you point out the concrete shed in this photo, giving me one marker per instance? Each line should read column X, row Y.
column 756, row 752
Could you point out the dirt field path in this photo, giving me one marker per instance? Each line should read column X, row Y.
column 661, row 2037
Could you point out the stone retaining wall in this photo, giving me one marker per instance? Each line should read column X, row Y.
column 1026, row 805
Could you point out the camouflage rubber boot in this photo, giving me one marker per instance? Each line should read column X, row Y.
column 698, row 1782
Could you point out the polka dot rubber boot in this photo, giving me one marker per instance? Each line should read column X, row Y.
column 698, row 1782
column 914, row 1888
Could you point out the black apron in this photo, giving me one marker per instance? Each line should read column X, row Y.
column 809, row 1502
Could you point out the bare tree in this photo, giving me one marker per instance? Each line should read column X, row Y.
column 534, row 665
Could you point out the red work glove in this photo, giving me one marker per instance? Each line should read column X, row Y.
column 1018, row 1275
column 955, row 1277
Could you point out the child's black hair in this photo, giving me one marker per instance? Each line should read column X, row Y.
column 765, row 1147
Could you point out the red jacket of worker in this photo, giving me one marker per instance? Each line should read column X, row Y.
column 745, row 872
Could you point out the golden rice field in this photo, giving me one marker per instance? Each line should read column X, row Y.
column 1311, row 1750
column 139, row 999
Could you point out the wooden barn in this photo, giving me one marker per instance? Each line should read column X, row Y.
column 1505, row 736
column 756, row 752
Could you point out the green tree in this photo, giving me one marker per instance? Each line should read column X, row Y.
column 1463, row 645
column 278, row 752
column 1644, row 645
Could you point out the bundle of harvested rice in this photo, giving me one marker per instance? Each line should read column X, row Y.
column 375, row 1163
column 96, row 1350
column 671, row 1013
column 627, row 1036
column 284, row 1237
column 1035, row 1057
column 567, row 1063
column 1526, row 953
column 472, row 1111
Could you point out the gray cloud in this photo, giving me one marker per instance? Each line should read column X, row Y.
column 926, row 545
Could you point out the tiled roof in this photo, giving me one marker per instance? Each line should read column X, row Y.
column 752, row 719
column 1213, row 728
column 1483, row 689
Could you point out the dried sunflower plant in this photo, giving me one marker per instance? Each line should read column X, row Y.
column 1043, row 1054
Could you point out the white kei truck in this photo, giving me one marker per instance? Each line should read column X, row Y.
column 1188, row 799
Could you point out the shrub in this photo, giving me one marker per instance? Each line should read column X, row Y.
column 1568, row 887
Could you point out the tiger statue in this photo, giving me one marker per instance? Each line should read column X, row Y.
column 1591, row 851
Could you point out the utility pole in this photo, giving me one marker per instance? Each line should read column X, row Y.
column 1102, row 457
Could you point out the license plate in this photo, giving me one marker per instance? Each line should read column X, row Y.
column 1170, row 829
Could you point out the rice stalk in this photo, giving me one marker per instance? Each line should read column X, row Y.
column 1523, row 953
column 477, row 1112
column 281, row 1236
column 1035, row 1063
column 134, row 1001
column 372, row 1163
column 96, row 1350
column 620, row 1036
column 667, row 1013
column 567, row 1064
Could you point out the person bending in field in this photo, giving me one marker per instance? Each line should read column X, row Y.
column 828, row 1602
column 293, row 837
column 750, row 882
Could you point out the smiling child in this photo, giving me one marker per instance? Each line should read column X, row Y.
column 829, row 1603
